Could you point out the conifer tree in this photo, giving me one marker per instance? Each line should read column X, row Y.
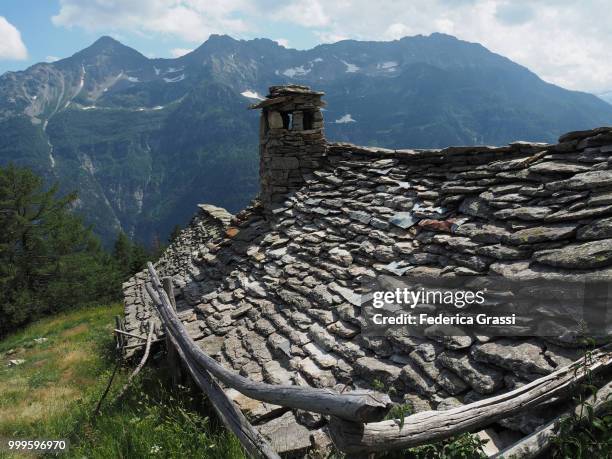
column 49, row 260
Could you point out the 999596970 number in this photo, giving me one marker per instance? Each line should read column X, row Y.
column 34, row 445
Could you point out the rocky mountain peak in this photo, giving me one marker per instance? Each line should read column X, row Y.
column 108, row 48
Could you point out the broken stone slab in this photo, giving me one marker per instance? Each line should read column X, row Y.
column 525, row 358
column 212, row 345
column 274, row 373
column 286, row 435
column 280, row 346
column 374, row 369
column 557, row 167
column 542, row 233
column 482, row 378
column 532, row 213
column 346, row 293
column 568, row 214
column 600, row 199
column 360, row 216
column 482, row 232
column 319, row 355
column 254, row 410
column 314, row 374
column 587, row 255
column 502, row 252
column 415, row 380
column 343, row 329
column 496, row 441
column 583, row 181
column 476, row 207
column 403, row 220
column 341, row 256
column 598, row 229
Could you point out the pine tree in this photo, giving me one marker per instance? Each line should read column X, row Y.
column 122, row 252
column 49, row 260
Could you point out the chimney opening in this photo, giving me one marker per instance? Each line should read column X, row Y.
column 287, row 119
column 308, row 119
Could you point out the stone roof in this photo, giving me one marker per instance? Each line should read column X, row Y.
column 274, row 293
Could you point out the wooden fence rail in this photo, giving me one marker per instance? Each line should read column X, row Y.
column 429, row 426
column 361, row 406
column 353, row 425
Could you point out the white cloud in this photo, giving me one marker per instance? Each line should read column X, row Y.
column 11, row 45
column 190, row 20
column 397, row 30
column 283, row 42
column 330, row 37
column 52, row 58
column 307, row 14
column 178, row 52
column 558, row 39
column 564, row 41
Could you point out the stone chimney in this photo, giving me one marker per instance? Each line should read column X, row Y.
column 291, row 141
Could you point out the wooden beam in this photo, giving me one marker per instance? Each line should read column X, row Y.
column 540, row 441
column 140, row 366
column 172, row 358
column 430, row 426
column 144, row 338
column 357, row 406
column 252, row 441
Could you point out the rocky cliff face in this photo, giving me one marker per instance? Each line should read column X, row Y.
column 276, row 292
column 144, row 140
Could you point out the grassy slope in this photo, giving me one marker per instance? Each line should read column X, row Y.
column 53, row 393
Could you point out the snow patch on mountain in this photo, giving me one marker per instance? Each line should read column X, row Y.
column 133, row 79
column 251, row 94
column 350, row 68
column 389, row 66
column 296, row 71
column 176, row 79
column 345, row 119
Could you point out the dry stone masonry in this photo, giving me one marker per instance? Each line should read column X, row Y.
column 274, row 291
column 291, row 141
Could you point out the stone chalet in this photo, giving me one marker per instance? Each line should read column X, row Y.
column 274, row 292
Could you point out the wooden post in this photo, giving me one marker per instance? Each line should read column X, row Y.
column 118, row 337
column 174, row 364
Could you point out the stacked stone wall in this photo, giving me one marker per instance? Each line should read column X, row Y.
column 275, row 293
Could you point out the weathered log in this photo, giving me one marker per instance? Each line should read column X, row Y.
column 539, row 442
column 357, row 406
column 134, row 346
column 430, row 426
column 140, row 366
column 118, row 339
column 252, row 441
column 172, row 358
column 144, row 338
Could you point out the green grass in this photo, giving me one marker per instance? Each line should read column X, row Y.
column 53, row 394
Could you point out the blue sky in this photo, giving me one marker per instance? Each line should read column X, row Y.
column 560, row 40
column 46, row 40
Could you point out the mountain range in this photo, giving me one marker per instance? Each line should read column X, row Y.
column 144, row 140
